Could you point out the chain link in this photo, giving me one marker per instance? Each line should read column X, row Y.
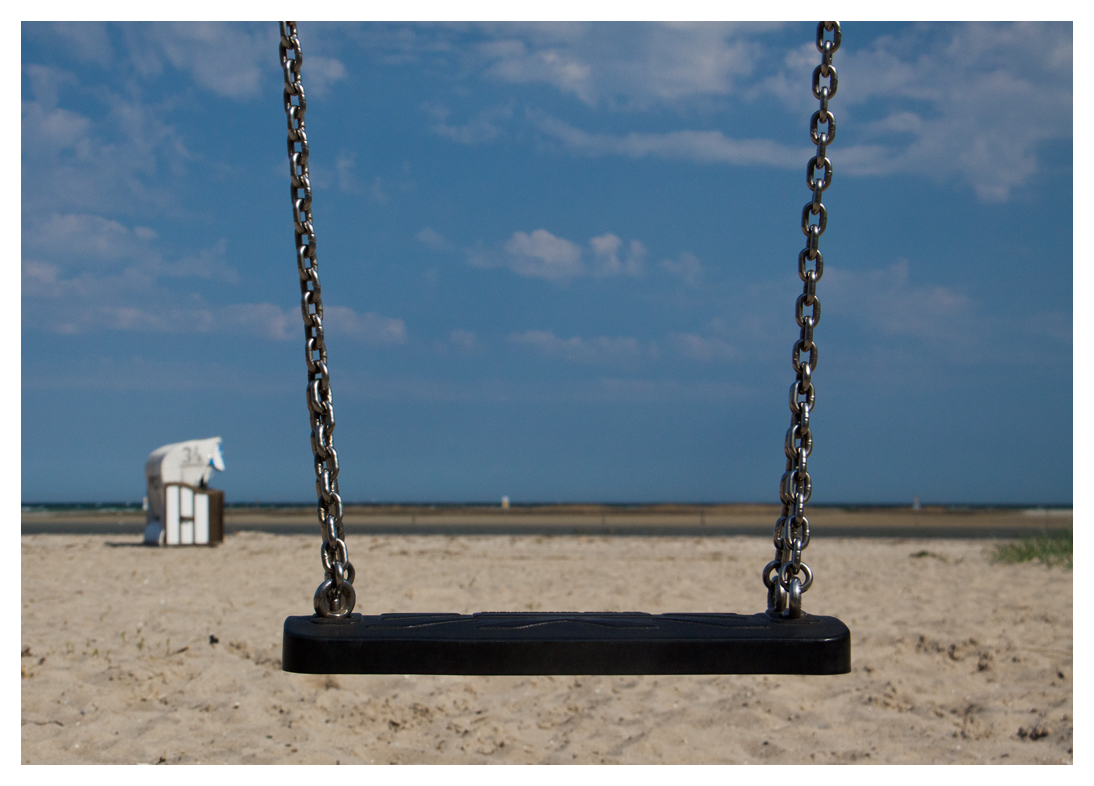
column 335, row 597
column 786, row 577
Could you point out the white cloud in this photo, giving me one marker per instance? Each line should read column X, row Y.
column 609, row 350
column 606, row 260
column 117, row 147
column 377, row 193
column 433, row 239
column 630, row 64
column 46, row 83
column 704, row 147
column 159, row 311
column 84, row 273
column 603, row 349
column 923, row 102
column 320, row 73
column 512, row 61
column 542, row 255
column 229, row 59
column 94, row 246
column 122, row 153
column 927, row 101
column 345, row 178
column 369, row 327
column 483, row 127
column 39, row 279
column 888, row 301
column 87, row 41
column 344, row 166
column 702, row 349
column 687, row 266
column 60, row 129
column 81, row 236
column 207, row 263
column 547, row 256
column 158, row 373
column 262, row 319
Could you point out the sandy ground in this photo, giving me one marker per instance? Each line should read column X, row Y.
column 134, row 654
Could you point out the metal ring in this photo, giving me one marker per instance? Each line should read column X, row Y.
column 808, row 493
column 332, row 458
column 799, row 309
column 812, row 239
column 781, row 598
column 836, row 36
column 323, row 488
column 804, row 260
column 818, row 162
column 776, row 539
column 330, row 528
column 334, row 507
column 788, row 532
column 794, row 599
column 330, row 602
column 333, row 552
column 810, row 396
column 786, row 488
column 805, row 384
column 822, row 218
column 798, row 441
column 768, row 581
column 808, row 577
column 803, row 533
column 315, row 403
column 790, row 448
column 797, row 356
column 815, row 134
column 830, row 88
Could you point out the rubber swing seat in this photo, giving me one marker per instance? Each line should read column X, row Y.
column 566, row 643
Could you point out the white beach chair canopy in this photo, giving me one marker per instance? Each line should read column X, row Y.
column 189, row 462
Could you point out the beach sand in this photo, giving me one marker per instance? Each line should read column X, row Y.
column 955, row 659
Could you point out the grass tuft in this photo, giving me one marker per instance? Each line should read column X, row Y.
column 1051, row 548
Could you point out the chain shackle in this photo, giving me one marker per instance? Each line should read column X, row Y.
column 335, row 596
column 786, row 577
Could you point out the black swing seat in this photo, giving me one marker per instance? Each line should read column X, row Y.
column 566, row 643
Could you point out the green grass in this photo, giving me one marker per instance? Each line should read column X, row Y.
column 1050, row 548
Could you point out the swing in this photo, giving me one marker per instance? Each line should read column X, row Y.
column 781, row 640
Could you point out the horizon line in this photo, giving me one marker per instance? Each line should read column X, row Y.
column 258, row 503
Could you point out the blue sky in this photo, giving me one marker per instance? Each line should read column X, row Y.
column 558, row 261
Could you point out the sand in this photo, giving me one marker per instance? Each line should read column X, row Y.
column 134, row 654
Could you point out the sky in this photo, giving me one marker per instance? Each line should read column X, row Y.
column 559, row 261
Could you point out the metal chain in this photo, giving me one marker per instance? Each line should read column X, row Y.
column 786, row 577
column 335, row 597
